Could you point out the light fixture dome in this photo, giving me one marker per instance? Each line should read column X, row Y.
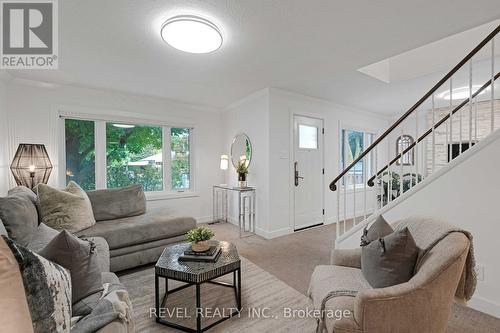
column 191, row 34
column 461, row 93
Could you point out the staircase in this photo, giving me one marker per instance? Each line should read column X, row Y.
column 452, row 120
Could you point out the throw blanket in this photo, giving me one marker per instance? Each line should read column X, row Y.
column 113, row 304
column 435, row 231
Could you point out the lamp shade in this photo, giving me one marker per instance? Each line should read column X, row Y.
column 224, row 162
column 31, row 165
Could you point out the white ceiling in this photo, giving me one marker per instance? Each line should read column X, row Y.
column 309, row 47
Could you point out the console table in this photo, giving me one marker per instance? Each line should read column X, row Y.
column 246, row 207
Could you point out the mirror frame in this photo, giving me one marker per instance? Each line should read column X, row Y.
column 251, row 148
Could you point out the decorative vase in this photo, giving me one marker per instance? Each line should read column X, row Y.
column 242, row 179
column 201, row 246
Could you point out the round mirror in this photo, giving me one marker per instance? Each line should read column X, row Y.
column 241, row 150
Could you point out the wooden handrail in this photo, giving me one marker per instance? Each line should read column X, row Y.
column 333, row 184
column 429, row 131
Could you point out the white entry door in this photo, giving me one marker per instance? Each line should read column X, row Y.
column 308, row 171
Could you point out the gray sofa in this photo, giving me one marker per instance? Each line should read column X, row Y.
column 126, row 236
column 136, row 236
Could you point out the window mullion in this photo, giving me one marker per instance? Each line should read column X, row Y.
column 100, row 154
column 167, row 168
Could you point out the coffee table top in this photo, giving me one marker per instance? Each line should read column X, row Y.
column 169, row 266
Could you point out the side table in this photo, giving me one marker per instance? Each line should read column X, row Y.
column 246, row 199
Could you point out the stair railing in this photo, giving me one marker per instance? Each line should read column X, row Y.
column 430, row 134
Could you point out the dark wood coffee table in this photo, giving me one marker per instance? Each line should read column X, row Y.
column 195, row 274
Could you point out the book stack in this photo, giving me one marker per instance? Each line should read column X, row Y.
column 211, row 255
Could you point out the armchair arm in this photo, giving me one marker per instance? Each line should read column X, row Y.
column 346, row 257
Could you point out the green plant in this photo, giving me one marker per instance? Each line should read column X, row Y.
column 199, row 234
column 242, row 168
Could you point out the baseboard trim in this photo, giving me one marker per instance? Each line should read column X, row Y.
column 484, row 305
column 273, row 234
column 204, row 219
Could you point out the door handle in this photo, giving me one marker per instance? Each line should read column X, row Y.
column 296, row 172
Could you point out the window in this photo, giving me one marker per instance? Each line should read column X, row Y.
column 308, row 137
column 179, row 153
column 353, row 143
column 100, row 154
column 134, row 156
column 402, row 143
column 80, row 152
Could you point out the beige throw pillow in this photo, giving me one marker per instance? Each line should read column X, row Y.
column 67, row 209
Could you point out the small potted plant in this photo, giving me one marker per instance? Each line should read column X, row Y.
column 199, row 238
column 242, row 170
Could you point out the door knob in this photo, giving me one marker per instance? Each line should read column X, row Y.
column 296, row 172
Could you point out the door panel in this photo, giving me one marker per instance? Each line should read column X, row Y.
column 308, row 172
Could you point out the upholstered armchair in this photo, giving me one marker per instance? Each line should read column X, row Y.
column 422, row 304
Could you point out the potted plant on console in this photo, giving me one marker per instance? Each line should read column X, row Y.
column 199, row 238
column 242, row 170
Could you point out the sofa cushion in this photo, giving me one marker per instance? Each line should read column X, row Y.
column 19, row 215
column 43, row 235
column 3, row 231
column 154, row 225
column 36, row 293
column 110, row 204
column 389, row 260
column 378, row 229
column 80, row 258
column 67, row 209
column 327, row 278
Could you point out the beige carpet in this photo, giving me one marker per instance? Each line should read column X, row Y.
column 292, row 259
column 260, row 290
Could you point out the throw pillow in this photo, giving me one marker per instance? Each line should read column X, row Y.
column 378, row 229
column 36, row 293
column 389, row 260
column 118, row 203
column 80, row 258
column 67, row 209
column 18, row 214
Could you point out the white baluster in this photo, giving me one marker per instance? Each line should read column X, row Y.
column 365, row 166
column 433, row 136
column 416, row 151
column 470, row 104
column 450, row 143
column 492, row 85
column 345, row 200
column 337, row 227
column 401, row 164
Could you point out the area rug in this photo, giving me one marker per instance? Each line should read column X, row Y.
column 269, row 304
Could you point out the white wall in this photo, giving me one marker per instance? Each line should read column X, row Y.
column 4, row 161
column 251, row 116
column 283, row 106
column 465, row 194
column 32, row 110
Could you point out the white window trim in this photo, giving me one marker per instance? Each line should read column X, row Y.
column 100, row 150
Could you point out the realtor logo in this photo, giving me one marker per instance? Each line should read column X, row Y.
column 29, row 34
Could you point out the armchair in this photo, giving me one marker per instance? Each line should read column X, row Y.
column 422, row 304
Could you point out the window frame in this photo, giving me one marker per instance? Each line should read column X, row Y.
column 343, row 151
column 408, row 159
column 100, row 121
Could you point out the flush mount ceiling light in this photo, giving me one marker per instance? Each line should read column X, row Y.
column 460, row 92
column 123, row 125
column 191, row 34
